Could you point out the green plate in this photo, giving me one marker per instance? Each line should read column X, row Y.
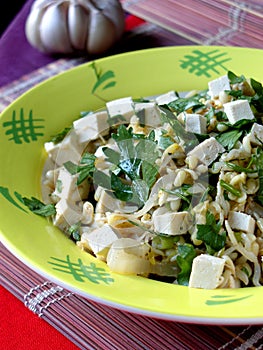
column 44, row 111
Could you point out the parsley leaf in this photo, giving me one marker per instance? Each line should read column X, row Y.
column 165, row 140
column 189, row 138
column 39, row 208
column 183, row 104
column 135, row 170
column 209, row 234
column 60, row 136
column 230, row 188
column 229, row 138
column 258, row 159
column 85, row 169
column 234, row 79
column 121, row 190
column 184, row 259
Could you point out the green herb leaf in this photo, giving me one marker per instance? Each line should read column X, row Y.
column 60, row 136
column 189, row 138
column 181, row 192
column 71, row 167
column 101, row 179
column 38, row 207
column 209, row 234
column 74, row 231
column 121, row 190
column 112, row 156
column 183, row 104
column 241, row 169
column 230, row 188
column 184, row 259
column 149, row 173
column 84, row 170
column 165, row 141
column 228, row 139
column 258, row 160
column 163, row 243
column 234, row 79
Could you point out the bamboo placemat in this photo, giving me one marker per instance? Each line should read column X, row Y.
column 206, row 22
column 91, row 325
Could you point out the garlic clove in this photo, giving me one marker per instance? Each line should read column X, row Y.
column 32, row 28
column 78, row 25
column 54, row 31
column 101, row 33
column 65, row 26
column 114, row 12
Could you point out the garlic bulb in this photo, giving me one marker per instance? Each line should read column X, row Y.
column 65, row 26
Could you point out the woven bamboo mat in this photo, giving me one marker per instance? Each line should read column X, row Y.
column 206, row 22
column 91, row 325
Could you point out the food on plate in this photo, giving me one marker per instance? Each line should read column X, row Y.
column 167, row 187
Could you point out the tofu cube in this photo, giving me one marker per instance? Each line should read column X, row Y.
column 90, row 127
column 166, row 98
column 172, row 223
column 67, row 214
column 218, row 85
column 121, row 107
column 195, row 123
column 206, row 271
column 106, row 202
column 67, row 150
column 150, row 112
column 241, row 222
column 256, row 134
column 238, row 110
column 66, row 186
column 101, row 238
column 207, row 151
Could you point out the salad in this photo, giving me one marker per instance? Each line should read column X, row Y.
column 167, row 187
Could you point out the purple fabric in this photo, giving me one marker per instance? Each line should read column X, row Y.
column 17, row 57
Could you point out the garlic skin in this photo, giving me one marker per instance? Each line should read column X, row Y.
column 67, row 26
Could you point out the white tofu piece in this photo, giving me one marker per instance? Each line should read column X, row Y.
column 206, row 271
column 207, row 151
column 152, row 115
column 106, row 202
column 172, row 223
column 90, row 127
column 67, row 214
column 67, row 150
column 238, row 110
column 195, row 123
column 241, row 222
column 166, row 98
column 256, row 134
column 101, row 238
column 122, row 106
column 218, row 85
column 66, row 186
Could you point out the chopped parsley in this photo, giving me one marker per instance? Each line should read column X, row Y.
column 133, row 170
column 85, row 169
column 185, row 256
column 39, row 208
column 210, row 234
column 235, row 132
column 60, row 136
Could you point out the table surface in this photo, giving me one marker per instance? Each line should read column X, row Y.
column 19, row 327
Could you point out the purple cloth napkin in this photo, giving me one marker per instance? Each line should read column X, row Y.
column 17, row 57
